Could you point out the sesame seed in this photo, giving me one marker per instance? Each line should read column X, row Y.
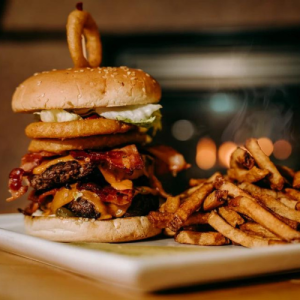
column 133, row 78
column 93, row 220
column 35, row 74
column 114, row 69
column 54, row 70
column 79, row 96
column 86, row 219
column 69, row 69
column 92, row 70
column 43, row 95
column 153, row 81
column 45, row 72
column 81, row 71
column 147, row 75
column 76, row 71
column 99, row 72
column 115, row 73
column 112, row 75
column 128, row 73
column 144, row 90
column 88, row 68
column 105, row 70
column 39, row 82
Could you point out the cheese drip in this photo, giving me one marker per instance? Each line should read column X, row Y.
column 106, row 210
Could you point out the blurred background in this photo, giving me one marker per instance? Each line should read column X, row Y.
column 229, row 70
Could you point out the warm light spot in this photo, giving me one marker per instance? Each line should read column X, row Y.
column 183, row 130
column 206, row 154
column 266, row 145
column 282, row 149
column 225, row 152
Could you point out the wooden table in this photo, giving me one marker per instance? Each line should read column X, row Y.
column 21, row 278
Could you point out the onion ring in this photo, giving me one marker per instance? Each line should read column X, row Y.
column 81, row 22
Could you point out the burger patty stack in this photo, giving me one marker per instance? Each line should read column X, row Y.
column 91, row 173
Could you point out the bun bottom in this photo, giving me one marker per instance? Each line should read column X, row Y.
column 85, row 230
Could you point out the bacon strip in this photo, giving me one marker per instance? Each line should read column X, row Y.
column 171, row 157
column 127, row 158
column 15, row 184
column 108, row 193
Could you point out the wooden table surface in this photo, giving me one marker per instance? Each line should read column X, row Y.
column 21, row 278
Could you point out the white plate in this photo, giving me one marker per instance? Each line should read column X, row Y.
column 148, row 265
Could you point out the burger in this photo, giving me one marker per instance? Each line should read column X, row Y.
column 90, row 172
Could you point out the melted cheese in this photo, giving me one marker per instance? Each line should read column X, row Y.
column 115, row 179
column 46, row 164
column 107, row 211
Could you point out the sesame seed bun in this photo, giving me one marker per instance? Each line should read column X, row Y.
column 86, row 88
column 89, row 230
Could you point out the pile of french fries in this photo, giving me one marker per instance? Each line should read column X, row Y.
column 256, row 204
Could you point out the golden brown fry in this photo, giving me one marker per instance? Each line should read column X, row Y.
column 291, row 203
column 278, row 207
column 81, row 23
column 197, row 218
column 191, row 205
column 233, row 190
column 195, row 182
column 286, row 172
column 257, row 229
column 201, row 238
column 292, row 193
column 251, row 208
column 171, row 205
column 168, row 232
column 241, row 158
column 215, row 199
column 189, row 192
column 251, row 188
column 263, row 161
column 275, row 205
column 296, row 181
column 159, row 219
column 231, row 217
column 234, row 234
column 252, row 175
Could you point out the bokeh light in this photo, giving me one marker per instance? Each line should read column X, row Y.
column 222, row 103
column 225, row 152
column 206, row 155
column 183, row 130
column 266, row 145
column 282, row 149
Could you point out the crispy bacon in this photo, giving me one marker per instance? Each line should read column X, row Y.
column 127, row 158
column 108, row 193
column 171, row 157
column 32, row 160
column 15, row 184
column 30, row 209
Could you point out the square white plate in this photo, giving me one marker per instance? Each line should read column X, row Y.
column 148, row 265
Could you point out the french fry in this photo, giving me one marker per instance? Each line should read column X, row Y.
column 241, row 158
column 291, row 203
column 251, row 208
column 201, row 238
column 159, row 219
column 231, row 217
column 233, row 190
column 286, row 172
column 234, row 234
column 195, row 182
column 191, row 205
column 253, row 175
column 263, row 161
column 171, row 205
column 197, row 218
column 168, row 232
column 253, row 189
column 296, row 181
column 292, row 193
column 257, row 229
column 189, row 192
column 215, row 199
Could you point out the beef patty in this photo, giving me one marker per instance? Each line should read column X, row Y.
column 141, row 206
column 83, row 208
column 60, row 174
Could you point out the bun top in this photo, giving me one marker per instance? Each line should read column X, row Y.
column 86, row 88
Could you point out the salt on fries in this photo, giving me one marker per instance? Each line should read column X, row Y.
column 80, row 23
column 256, row 204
